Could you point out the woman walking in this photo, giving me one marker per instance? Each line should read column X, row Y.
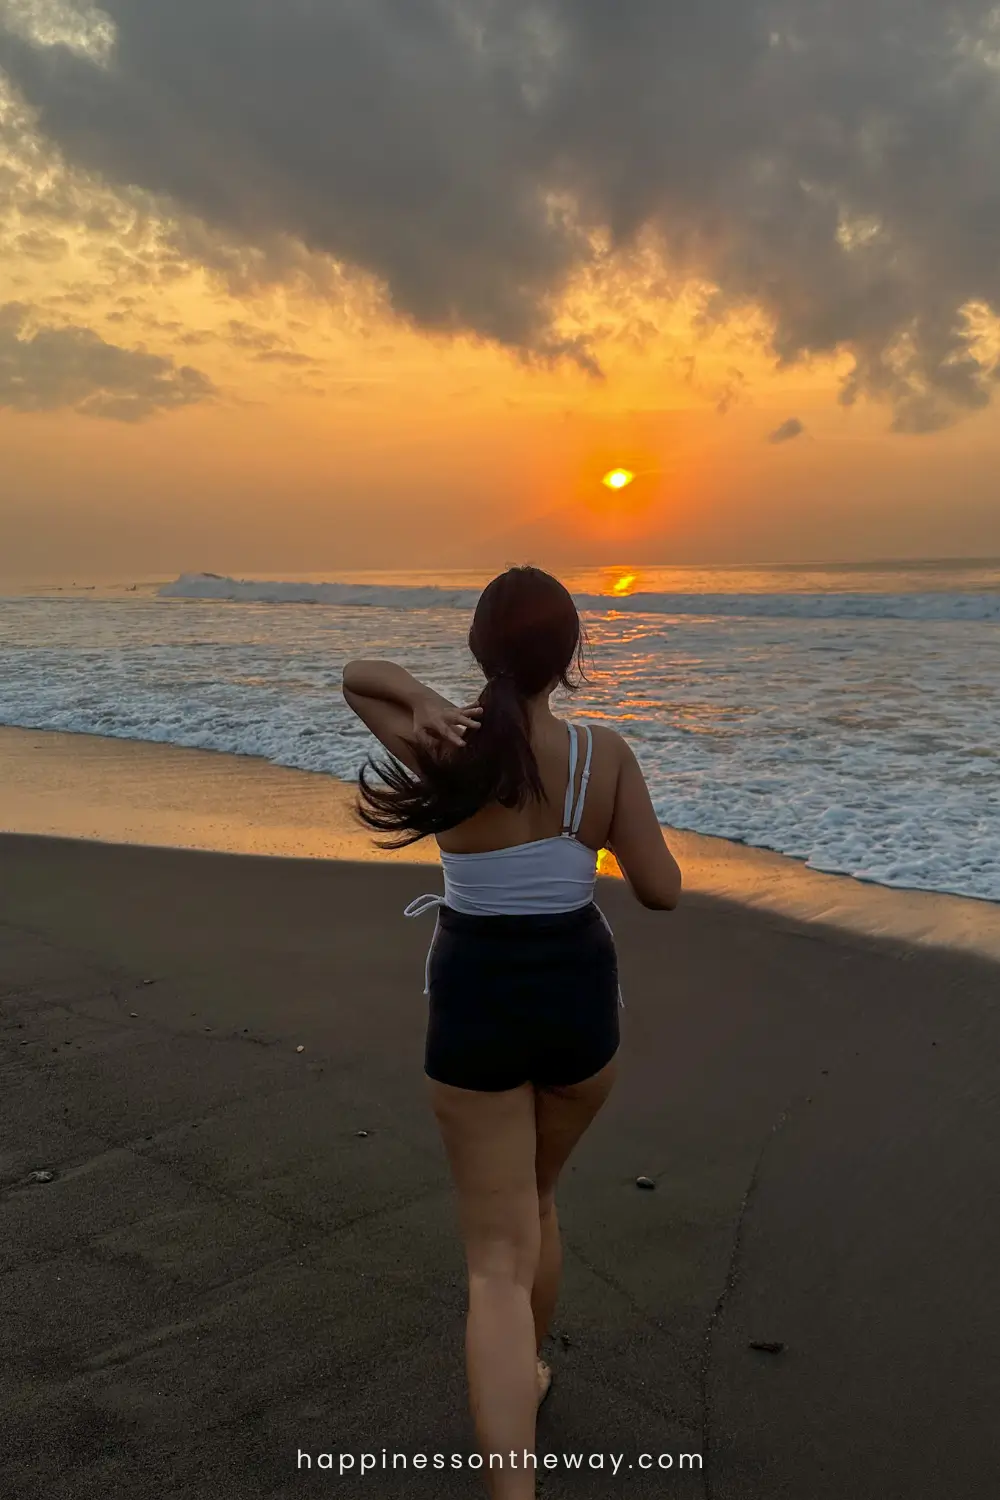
column 522, row 974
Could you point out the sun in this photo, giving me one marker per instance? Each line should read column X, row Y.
column 618, row 479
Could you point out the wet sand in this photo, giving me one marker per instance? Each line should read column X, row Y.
column 224, row 1271
column 121, row 791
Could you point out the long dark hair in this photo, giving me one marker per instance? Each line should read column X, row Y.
column 526, row 636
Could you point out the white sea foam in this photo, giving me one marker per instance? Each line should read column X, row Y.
column 344, row 595
column 820, row 606
column 863, row 743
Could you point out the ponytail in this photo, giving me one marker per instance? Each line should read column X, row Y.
column 503, row 745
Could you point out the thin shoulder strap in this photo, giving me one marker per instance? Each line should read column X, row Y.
column 586, row 777
column 567, row 822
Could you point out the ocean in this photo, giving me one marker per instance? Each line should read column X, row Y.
column 846, row 716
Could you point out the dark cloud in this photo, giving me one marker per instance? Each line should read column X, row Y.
column 789, row 430
column 47, row 369
column 834, row 165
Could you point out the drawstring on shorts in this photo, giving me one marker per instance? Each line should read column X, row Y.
column 416, row 909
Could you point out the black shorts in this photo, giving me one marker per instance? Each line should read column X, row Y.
column 517, row 1000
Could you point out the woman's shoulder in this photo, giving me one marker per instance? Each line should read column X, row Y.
column 605, row 738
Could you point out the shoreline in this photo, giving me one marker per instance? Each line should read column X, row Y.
column 133, row 792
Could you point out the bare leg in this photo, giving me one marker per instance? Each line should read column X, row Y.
column 490, row 1141
column 561, row 1117
column 545, row 1292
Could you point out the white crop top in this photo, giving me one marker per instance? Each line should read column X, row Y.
column 547, row 875
column 556, row 874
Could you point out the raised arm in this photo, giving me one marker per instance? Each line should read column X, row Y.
column 636, row 840
column 400, row 711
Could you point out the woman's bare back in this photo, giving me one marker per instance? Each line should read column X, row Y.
column 496, row 827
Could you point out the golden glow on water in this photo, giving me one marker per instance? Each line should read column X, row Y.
column 625, row 584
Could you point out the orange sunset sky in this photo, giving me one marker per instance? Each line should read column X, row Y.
column 216, row 354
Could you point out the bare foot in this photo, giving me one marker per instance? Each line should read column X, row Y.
column 544, row 1381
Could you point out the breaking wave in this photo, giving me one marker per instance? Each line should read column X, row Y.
column 984, row 608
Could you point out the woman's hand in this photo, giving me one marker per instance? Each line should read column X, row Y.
column 404, row 713
column 437, row 723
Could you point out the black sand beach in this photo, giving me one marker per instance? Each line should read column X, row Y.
column 224, row 1271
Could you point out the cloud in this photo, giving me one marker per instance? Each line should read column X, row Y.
column 730, row 392
column 834, row 166
column 265, row 346
column 283, row 357
column 69, row 23
column 40, row 245
column 243, row 335
column 788, row 431
column 47, row 369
